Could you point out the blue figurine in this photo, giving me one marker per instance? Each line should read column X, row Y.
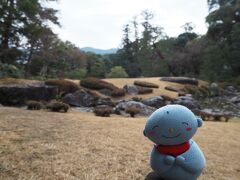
column 175, row 156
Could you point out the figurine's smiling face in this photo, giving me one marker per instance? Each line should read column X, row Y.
column 171, row 125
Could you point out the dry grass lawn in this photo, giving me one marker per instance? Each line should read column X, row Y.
column 13, row 81
column 46, row 145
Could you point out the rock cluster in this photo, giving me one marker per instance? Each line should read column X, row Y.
column 211, row 102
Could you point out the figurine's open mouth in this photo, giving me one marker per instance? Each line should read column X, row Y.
column 172, row 136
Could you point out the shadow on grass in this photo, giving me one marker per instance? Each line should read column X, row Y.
column 153, row 176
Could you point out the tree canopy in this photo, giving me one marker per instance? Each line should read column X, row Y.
column 29, row 47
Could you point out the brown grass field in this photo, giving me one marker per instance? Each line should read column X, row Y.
column 46, row 145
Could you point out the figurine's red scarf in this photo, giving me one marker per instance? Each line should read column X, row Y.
column 173, row 150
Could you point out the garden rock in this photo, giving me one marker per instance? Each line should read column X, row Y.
column 83, row 109
column 214, row 89
column 215, row 115
column 188, row 101
column 235, row 100
column 131, row 89
column 104, row 101
column 144, row 109
column 15, row 95
column 106, row 92
column 80, row 98
column 156, row 101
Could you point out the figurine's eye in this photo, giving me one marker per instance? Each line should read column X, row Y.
column 154, row 126
column 185, row 123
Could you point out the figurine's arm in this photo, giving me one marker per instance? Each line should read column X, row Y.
column 181, row 161
column 160, row 162
column 192, row 165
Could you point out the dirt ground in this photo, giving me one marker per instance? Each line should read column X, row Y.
column 47, row 145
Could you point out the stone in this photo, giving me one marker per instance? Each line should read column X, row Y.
column 231, row 89
column 82, row 109
column 17, row 95
column 131, row 89
column 134, row 89
column 181, row 80
column 214, row 89
column 156, row 101
column 144, row 109
column 235, row 100
column 105, row 102
column 188, row 101
column 214, row 115
column 81, row 98
column 106, row 92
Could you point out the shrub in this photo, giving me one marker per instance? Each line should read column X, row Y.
column 34, row 105
column 132, row 110
column 144, row 90
column 191, row 89
column 205, row 91
column 9, row 70
column 118, row 92
column 138, row 99
column 146, row 84
column 58, row 106
column 103, row 111
column 117, row 72
column 202, row 91
column 76, row 74
column 167, row 98
column 63, row 85
column 96, row 84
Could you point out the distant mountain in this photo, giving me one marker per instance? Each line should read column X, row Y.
column 99, row 51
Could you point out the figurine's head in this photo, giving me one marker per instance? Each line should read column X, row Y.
column 171, row 125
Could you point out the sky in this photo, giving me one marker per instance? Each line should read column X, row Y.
column 99, row 23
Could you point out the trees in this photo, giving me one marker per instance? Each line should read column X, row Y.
column 140, row 54
column 117, row 72
column 22, row 23
column 27, row 40
column 127, row 56
column 222, row 51
column 149, row 53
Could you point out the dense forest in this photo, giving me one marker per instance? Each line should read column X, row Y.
column 30, row 49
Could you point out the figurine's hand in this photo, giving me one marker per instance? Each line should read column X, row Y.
column 180, row 160
column 169, row 160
